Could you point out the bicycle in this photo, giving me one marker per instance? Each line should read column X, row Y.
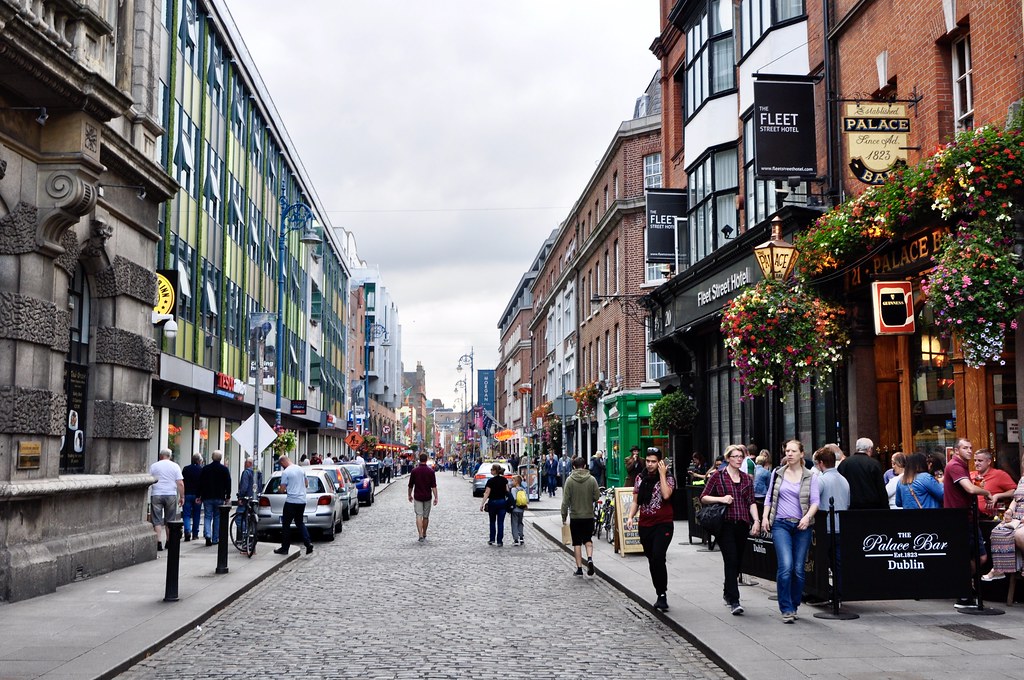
column 243, row 525
column 598, row 506
column 604, row 519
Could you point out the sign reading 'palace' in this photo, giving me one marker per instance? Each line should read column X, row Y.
column 876, row 135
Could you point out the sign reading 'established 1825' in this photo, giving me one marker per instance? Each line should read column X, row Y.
column 914, row 554
column 876, row 134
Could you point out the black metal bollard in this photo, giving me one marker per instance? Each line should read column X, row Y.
column 174, row 529
column 222, row 543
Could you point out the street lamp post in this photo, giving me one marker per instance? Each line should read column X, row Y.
column 373, row 331
column 467, row 359
column 294, row 216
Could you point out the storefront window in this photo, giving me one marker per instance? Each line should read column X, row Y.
column 179, row 437
column 932, row 405
column 1005, row 425
column 726, row 411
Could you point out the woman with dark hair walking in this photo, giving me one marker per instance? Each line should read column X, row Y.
column 789, row 510
column 733, row 488
column 651, row 492
column 496, row 503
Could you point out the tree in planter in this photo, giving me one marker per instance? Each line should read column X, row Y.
column 675, row 412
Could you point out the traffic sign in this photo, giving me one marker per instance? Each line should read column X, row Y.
column 564, row 406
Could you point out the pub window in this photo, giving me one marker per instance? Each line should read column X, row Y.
column 963, row 86
column 932, row 390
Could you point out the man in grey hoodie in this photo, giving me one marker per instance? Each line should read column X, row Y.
column 579, row 493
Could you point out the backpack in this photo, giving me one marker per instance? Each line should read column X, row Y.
column 521, row 499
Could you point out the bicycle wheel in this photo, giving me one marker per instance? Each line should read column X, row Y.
column 249, row 532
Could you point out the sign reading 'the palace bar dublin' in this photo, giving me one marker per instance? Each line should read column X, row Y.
column 914, row 554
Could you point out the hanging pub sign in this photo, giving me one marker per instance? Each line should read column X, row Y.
column 666, row 226
column 784, row 133
column 876, row 136
column 893, row 303
column 890, row 555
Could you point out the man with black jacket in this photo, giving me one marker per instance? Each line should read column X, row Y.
column 864, row 473
column 214, row 491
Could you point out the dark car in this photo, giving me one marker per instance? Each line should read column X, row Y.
column 364, row 483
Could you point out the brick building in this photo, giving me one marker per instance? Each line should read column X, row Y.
column 587, row 326
column 948, row 66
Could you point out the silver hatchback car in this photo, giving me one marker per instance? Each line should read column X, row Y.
column 324, row 506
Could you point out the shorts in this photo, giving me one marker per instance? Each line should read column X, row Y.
column 422, row 508
column 163, row 509
column 582, row 530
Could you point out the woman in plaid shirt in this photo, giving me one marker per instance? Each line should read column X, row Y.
column 734, row 488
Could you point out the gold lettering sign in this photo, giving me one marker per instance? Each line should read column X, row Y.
column 164, row 295
column 876, row 136
column 29, row 454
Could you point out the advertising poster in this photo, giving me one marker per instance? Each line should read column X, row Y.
column 625, row 541
column 76, row 387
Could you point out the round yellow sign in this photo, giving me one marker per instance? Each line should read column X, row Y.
column 164, row 295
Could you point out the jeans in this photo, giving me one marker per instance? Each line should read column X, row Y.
column 552, row 484
column 211, row 515
column 656, row 541
column 294, row 512
column 732, row 539
column 190, row 514
column 516, row 518
column 791, row 546
column 496, row 511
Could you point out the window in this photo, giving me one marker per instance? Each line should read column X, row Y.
column 214, row 79
column 655, row 364
column 615, row 183
column 757, row 17
column 652, row 171
column 211, row 188
column 713, row 184
column 760, row 194
column 963, row 88
column 615, row 247
column 184, row 153
column 710, row 58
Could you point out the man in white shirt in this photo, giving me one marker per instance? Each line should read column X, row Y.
column 293, row 484
column 166, row 495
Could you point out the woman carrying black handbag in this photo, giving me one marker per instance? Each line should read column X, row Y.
column 734, row 489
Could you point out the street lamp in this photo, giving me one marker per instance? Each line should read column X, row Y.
column 776, row 257
column 373, row 331
column 467, row 359
column 294, row 216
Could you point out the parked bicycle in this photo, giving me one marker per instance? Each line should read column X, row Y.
column 243, row 526
column 604, row 514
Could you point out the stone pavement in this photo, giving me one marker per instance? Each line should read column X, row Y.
column 904, row 639
column 377, row 603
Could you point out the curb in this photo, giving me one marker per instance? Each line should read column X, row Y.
column 667, row 620
column 199, row 619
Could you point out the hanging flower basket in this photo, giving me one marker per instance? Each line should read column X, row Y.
column 586, row 400
column 285, row 442
column 975, row 288
column 779, row 336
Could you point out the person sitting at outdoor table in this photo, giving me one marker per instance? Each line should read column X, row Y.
column 917, row 489
column 697, row 467
column 1007, row 539
column 988, row 476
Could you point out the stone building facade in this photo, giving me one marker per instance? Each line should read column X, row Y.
column 80, row 190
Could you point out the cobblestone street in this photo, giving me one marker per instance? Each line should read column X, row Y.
column 376, row 603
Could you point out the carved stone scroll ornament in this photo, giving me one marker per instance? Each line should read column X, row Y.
column 72, row 193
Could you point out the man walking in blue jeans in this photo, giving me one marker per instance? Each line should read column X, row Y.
column 214, row 491
column 293, row 484
column 192, row 511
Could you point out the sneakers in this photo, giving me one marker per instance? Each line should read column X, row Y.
column 737, row 609
column 420, row 539
column 309, row 549
column 490, row 542
column 590, row 567
column 515, row 541
column 281, row 551
column 209, row 542
column 661, row 603
column 966, row 603
column 578, row 572
column 788, row 617
column 990, row 576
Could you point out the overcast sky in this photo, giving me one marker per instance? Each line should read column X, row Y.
column 450, row 137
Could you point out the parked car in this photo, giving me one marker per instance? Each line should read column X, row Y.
column 323, row 505
column 345, row 487
column 483, row 473
column 363, row 482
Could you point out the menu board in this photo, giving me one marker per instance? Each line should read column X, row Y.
column 626, row 541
